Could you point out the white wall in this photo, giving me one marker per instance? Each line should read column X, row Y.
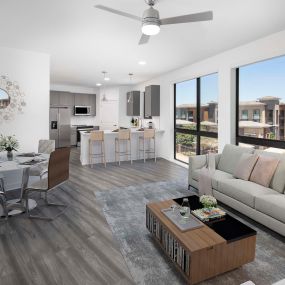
column 224, row 63
column 77, row 120
column 32, row 71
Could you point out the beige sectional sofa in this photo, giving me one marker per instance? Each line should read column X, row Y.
column 264, row 205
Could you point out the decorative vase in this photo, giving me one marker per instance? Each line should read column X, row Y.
column 10, row 155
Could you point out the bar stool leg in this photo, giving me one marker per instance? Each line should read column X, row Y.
column 154, row 150
column 144, row 150
column 101, row 148
column 119, row 152
column 116, row 151
column 131, row 151
column 90, row 155
column 104, row 150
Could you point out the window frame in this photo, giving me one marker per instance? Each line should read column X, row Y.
column 197, row 132
column 247, row 139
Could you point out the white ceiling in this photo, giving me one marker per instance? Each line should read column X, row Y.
column 83, row 41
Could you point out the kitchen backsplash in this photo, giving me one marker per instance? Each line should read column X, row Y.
column 81, row 120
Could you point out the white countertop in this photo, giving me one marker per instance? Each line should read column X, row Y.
column 109, row 132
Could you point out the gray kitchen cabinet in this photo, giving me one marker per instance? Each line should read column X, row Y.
column 81, row 99
column 92, row 103
column 133, row 103
column 73, row 136
column 66, row 99
column 54, row 98
column 152, row 101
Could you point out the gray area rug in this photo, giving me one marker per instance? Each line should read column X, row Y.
column 124, row 209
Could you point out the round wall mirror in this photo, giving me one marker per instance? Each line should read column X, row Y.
column 4, row 99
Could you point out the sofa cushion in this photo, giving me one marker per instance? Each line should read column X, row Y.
column 272, row 205
column 245, row 166
column 217, row 177
column 230, row 157
column 264, row 170
column 243, row 191
column 278, row 180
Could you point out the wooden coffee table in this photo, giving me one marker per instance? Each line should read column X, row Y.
column 202, row 253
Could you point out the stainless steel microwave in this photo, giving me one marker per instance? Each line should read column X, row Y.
column 82, row 110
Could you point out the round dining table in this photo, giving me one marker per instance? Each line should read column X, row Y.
column 11, row 172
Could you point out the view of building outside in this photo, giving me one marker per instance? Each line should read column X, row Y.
column 185, row 146
column 262, row 99
column 186, row 105
column 186, row 116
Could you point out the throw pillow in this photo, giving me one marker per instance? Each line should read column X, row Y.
column 264, row 170
column 245, row 166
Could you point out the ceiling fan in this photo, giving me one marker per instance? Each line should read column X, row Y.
column 151, row 22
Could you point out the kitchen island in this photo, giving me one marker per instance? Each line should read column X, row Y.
column 110, row 146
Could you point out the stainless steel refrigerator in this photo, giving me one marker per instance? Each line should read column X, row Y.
column 59, row 129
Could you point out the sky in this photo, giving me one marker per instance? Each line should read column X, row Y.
column 265, row 78
column 186, row 90
column 3, row 94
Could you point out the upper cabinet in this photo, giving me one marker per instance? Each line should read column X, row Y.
column 86, row 100
column 133, row 103
column 92, row 103
column 54, row 98
column 68, row 99
column 152, row 101
column 81, row 99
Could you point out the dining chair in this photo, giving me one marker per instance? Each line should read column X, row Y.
column 3, row 201
column 58, row 173
column 46, row 147
column 14, row 206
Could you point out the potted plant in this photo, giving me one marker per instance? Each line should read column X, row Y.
column 208, row 201
column 8, row 143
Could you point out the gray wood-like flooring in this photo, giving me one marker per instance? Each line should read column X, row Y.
column 78, row 247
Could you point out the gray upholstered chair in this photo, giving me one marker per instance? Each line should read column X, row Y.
column 14, row 206
column 58, row 173
column 46, row 147
column 3, row 201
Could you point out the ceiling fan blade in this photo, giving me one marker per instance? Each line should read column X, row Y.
column 144, row 39
column 197, row 17
column 117, row 12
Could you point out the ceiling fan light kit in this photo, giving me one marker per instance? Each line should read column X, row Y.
column 151, row 21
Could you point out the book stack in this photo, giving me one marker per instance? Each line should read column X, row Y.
column 169, row 243
column 208, row 214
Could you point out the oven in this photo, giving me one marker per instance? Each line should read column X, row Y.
column 84, row 128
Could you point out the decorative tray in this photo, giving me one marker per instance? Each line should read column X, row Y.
column 182, row 224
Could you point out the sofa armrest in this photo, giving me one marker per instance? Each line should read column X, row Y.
column 197, row 162
column 217, row 159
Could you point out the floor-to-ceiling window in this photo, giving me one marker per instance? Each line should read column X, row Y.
column 261, row 104
column 196, row 117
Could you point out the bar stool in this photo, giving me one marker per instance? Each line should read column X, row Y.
column 148, row 135
column 123, row 136
column 97, row 137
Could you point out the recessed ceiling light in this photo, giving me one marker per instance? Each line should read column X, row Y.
column 106, row 78
column 98, row 84
column 142, row 62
